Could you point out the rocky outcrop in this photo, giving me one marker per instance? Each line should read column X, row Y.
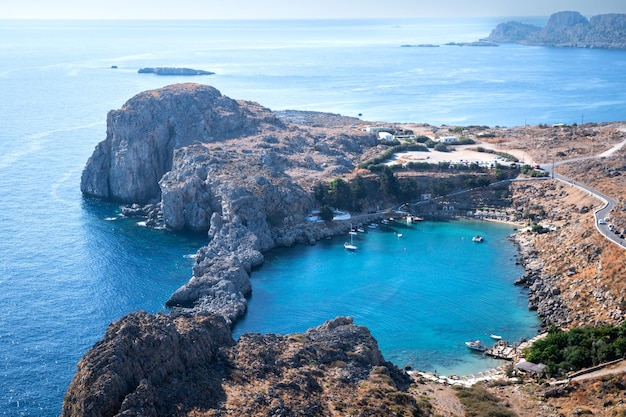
column 512, row 31
column 544, row 296
column 142, row 136
column 232, row 169
column 173, row 71
column 567, row 29
column 151, row 365
column 181, row 365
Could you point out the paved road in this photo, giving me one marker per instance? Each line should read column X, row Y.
column 614, row 369
column 603, row 227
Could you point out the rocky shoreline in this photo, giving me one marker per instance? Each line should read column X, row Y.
column 544, row 297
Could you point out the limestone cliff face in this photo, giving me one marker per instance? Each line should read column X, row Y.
column 189, row 365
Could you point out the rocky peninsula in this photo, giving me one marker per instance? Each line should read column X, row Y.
column 190, row 158
column 566, row 29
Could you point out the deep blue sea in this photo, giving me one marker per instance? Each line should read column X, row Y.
column 70, row 266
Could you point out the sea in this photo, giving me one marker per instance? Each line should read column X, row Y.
column 69, row 265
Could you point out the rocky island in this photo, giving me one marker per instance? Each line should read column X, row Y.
column 187, row 157
column 567, row 29
column 173, row 71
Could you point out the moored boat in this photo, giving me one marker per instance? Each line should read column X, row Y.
column 478, row 238
column 495, row 336
column 350, row 246
column 476, row 345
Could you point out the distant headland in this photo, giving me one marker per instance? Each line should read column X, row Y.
column 566, row 29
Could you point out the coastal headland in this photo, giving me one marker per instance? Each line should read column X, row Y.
column 566, row 29
column 189, row 158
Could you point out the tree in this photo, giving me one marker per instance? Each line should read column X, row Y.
column 339, row 194
column 326, row 213
column 320, row 193
column 388, row 182
column 358, row 189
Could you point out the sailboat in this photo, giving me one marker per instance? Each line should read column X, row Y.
column 350, row 246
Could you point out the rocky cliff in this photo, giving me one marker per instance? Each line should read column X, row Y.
column 184, row 365
column 143, row 134
column 567, row 29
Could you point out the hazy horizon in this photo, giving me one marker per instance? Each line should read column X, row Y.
column 287, row 9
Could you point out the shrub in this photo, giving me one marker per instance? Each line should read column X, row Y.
column 478, row 402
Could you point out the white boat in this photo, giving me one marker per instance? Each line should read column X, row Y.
column 399, row 234
column 350, row 246
column 495, row 336
column 476, row 345
column 478, row 238
column 360, row 230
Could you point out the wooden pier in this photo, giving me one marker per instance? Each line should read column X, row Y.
column 503, row 350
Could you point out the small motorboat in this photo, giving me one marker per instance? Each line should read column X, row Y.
column 495, row 336
column 478, row 239
column 476, row 345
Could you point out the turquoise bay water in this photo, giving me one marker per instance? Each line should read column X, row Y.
column 422, row 295
column 66, row 271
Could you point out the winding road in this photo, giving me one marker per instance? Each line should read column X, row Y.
column 603, row 226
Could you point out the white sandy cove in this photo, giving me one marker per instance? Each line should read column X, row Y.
column 466, row 380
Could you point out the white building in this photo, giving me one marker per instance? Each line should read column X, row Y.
column 448, row 139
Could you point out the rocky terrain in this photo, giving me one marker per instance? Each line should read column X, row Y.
column 567, row 29
column 189, row 365
column 193, row 159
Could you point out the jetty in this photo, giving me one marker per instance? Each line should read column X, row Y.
column 503, row 350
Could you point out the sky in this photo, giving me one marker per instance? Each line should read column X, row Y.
column 296, row 9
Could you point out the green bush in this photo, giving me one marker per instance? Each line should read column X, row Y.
column 385, row 156
column 578, row 348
